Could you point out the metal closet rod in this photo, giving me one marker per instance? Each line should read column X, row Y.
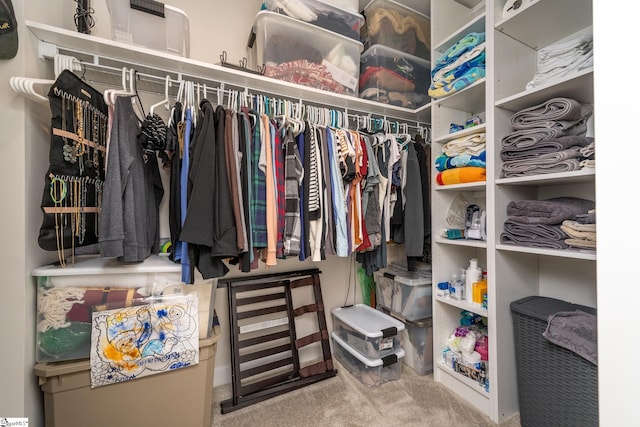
column 159, row 77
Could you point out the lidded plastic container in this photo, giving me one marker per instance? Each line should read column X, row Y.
column 298, row 52
column 393, row 77
column 406, row 294
column 150, row 24
column 396, row 26
column 321, row 13
column 371, row 372
column 368, row 331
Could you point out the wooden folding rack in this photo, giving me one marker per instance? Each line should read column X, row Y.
column 263, row 315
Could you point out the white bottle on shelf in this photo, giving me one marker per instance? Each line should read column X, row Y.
column 474, row 274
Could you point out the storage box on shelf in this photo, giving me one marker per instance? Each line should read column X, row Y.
column 153, row 25
column 321, row 13
column 390, row 76
column 371, row 372
column 394, row 25
column 302, row 53
column 367, row 330
column 69, row 400
column 66, row 298
column 406, row 294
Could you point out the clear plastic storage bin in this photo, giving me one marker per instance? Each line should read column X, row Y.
column 371, row 372
column 406, row 294
column 160, row 27
column 393, row 77
column 301, row 53
column 321, row 13
column 417, row 343
column 396, row 26
column 367, row 330
column 67, row 297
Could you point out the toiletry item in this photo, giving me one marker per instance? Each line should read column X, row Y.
column 443, row 290
column 473, row 274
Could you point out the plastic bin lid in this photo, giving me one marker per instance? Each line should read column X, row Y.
column 92, row 264
column 405, row 277
column 541, row 308
column 366, row 320
column 385, row 361
column 380, row 50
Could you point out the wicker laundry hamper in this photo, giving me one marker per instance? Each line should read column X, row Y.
column 556, row 387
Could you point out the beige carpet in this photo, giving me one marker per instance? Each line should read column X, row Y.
column 344, row 401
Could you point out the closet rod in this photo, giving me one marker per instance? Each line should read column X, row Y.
column 156, row 76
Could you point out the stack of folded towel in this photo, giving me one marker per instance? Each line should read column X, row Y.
column 581, row 231
column 562, row 59
column 462, row 160
column 548, row 138
column 541, row 223
column 460, row 66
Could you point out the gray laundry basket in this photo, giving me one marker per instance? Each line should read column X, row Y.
column 556, row 387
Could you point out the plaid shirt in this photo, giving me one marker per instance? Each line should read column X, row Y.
column 278, row 156
column 293, row 173
column 259, row 192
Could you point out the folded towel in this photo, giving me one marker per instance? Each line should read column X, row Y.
column 579, row 226
column 558, row 112
column 444, row 162
column 474, row 56
column 552, row 145
column 581, row 243
column 535, row 235
column 550, row 211
column 513, row 169
column 576, row 331
column 473, row 144
column 466, row 43
column 471, row 76
column 588, row 218
column 527, row 138
column 569, row 227
column 461, row 175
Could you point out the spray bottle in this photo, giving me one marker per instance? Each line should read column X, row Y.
column 473, row 274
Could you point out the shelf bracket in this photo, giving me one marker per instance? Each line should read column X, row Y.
column 47, row 50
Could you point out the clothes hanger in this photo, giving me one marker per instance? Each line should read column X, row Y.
column 27, row 85
column 166, row 100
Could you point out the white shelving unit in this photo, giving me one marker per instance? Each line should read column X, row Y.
column 513, row 272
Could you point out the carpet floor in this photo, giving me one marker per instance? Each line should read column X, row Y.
column 343, row 401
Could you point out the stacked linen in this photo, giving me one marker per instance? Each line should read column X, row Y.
column 581, row 231
column 540, row 223
column 548, row 138
column 462, row 160
column 460, row 66
column 562, row 59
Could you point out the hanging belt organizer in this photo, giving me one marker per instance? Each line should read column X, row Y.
column 265, row 312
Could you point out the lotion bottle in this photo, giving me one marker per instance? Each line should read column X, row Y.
column 473, row 274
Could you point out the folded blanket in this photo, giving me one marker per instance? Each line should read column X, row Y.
column 547, row 146
column 510, row 170
column 386, row 79
column 399, row 30
column 461, row 175
column 473, row 144
column 444, row 162
column 558, row 112
column 550, row 211
column 576, row 331
column 471, row 76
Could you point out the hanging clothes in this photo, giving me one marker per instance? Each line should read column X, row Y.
column 129, row 225
column 293, row 173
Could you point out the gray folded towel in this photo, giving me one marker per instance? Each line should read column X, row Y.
column 562, row 113
column 548, row 146
column 576, row 331
column 533, row 235
column 550, row 211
